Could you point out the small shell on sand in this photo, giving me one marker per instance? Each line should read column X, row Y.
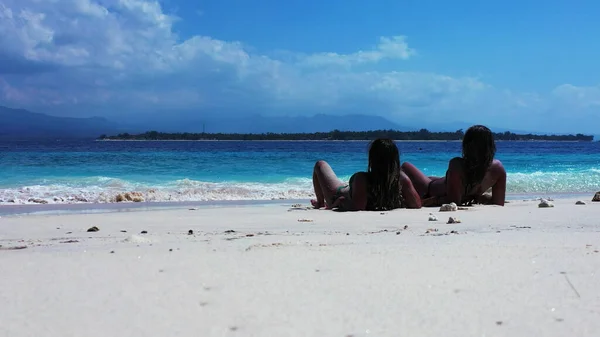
column 545, row 204
column 451, row 207
column 138, row 239
column 305, row 220
column 453, row 220
column 580, row 202
column 93, row 229
column 432, row 217
column 596, row 197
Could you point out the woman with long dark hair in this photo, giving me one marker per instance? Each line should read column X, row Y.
column 383, row 187
column 468, row 177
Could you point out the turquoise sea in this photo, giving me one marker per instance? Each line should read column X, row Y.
column 66, row 172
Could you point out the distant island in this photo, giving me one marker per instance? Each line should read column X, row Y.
column 421, row 135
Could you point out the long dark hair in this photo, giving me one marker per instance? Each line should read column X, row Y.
column 478, row 150
column 384, row 175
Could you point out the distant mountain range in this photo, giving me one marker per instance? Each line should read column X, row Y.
column 23, row 124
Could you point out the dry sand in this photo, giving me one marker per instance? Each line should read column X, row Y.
column 513, row 271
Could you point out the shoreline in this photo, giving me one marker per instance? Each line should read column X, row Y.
column 334, row 140
column 116, row 207
column 129, row 206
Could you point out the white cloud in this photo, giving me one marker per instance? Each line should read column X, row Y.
column 394, row 47
column 90, row 8
column 124, row 55
column 578, row 97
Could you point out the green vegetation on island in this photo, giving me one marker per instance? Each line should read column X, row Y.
column 422, row 134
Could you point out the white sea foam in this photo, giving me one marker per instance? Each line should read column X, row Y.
column 107, row 190
column 552, row 182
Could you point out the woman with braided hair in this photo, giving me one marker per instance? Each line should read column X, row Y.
column 468, row 177
column 383, row 187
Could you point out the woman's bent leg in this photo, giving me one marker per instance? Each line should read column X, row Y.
column 325, row 183
column 419, row 179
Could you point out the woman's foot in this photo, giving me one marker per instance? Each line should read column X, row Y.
column 316, row 204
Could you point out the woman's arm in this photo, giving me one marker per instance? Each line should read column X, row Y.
column 499, row 188
column 431, row 202
column 411, row 197
column 454, row 182
column 496, row 179
column 358, row 199
column 453, row 186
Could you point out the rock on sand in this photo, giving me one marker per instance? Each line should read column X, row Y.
column 545, row 203
column 451, row 207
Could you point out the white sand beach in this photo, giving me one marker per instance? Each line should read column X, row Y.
column 255, row 270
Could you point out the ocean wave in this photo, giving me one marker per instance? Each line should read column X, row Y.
column 108, row 190
column 554, row 182
column 103, row 190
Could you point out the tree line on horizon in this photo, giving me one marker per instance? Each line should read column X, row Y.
column 422, row 134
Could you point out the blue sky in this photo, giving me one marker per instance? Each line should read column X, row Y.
column 511, row 64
